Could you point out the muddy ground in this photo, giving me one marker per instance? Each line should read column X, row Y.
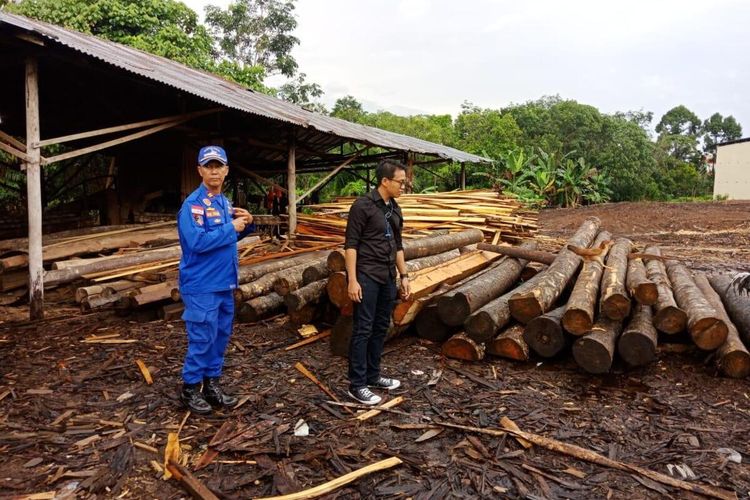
column 71, row 412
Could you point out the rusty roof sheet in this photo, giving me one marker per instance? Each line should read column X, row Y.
column 215, row 89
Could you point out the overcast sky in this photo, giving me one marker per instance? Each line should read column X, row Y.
column 428, row 56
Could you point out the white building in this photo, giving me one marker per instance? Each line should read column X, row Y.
column 732, row 170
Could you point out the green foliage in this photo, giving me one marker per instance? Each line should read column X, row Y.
column 302, row 93
column 679, row 121
column 717, row 129
column 486, row 131
column 256, row 33
column 349, row 109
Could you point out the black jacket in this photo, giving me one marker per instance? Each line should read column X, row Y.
column 374, row 230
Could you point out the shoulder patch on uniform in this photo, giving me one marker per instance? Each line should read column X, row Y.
column 196, row 209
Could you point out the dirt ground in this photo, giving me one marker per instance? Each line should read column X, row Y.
column 78, row 419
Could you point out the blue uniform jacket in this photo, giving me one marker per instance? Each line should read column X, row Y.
column 209, row 260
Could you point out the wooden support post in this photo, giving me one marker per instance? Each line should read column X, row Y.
column 291, row 186
column 463, row 176
column 34, row 191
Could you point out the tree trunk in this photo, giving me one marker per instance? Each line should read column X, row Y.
column 264, row 285
column 316, row 272
column 59, row 251
column 545, row 335
column 737, row 305
column 14, row 279
column 579, row 313
column 93, row 302
column 732, row 357
column 510, row 344
column 171, row 312
column 308, row 294
column 595, row 351
column 153, row 293
column 487, row 321
column 668, row 318
column 705, row 325
column 337, row 290
column 462, row 347
column 637, row 344
column 336, row 261
column 430, row 327
column 429, row 279
column 520, row 252
column 431, row 245
column 415, row 265
column 531, row 270
column 529, row 304
column 304, row 315
column 458, row 304
column 120, row 286
column 643, row 289
column 253, row 272
column 290, row 280
column 85, row 291
column 255, row 309
column 615, row 302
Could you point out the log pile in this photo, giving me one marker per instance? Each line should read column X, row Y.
column 485, row 210
column 601, row 300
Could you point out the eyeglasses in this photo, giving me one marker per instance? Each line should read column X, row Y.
column 401, row 183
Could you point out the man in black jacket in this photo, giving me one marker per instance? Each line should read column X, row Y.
column 373, row 252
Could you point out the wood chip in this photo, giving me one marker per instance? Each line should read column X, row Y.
column 144, row 371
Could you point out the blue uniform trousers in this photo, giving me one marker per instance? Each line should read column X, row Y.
column 371, row 320
column 208, row 321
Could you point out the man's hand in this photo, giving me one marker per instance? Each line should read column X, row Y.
column 241, row 213
column 239, row 224
column 404, row 289
column 354, row 291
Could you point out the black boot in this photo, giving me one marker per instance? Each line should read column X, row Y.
column 193, row 399
column 214, row 395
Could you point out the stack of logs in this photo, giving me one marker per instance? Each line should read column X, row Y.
column 597, row 298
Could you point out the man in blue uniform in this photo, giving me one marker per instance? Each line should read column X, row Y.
column 209, row 228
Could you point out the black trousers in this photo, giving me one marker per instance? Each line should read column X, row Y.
column 372, row 317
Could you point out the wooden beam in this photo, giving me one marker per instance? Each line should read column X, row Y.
column 325, row 179
column 18, row 154
column 292, row 186
column 258, row 177
column 463, row 176
column 122, row 128
column 34, row 192
column 12, row 141
column 114, row 142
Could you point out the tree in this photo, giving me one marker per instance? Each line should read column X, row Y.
column 718, row 129
column 298, row 91
column 679, row 121
column 348, row 108
column 486, row 132
column 256, row 33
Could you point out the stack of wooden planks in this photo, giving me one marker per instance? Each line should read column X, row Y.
column 485, row 210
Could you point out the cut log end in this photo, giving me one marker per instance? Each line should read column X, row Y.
column 616, row 307
column 647, row 294
column 462, row 347
column 636, row 348
column 577, row 321
column 735, row 364
column 592, row 356
column 709, row 333
column 525, row 307
column 480, row 327
column 453, row 310
column 544, row 336
column 670, row 320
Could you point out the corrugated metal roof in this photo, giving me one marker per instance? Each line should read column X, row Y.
column 229, row 94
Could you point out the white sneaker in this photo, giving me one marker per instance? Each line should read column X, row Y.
column 365, row 396
column 385, row 383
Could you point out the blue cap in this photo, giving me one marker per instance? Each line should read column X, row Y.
column 208, row 153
